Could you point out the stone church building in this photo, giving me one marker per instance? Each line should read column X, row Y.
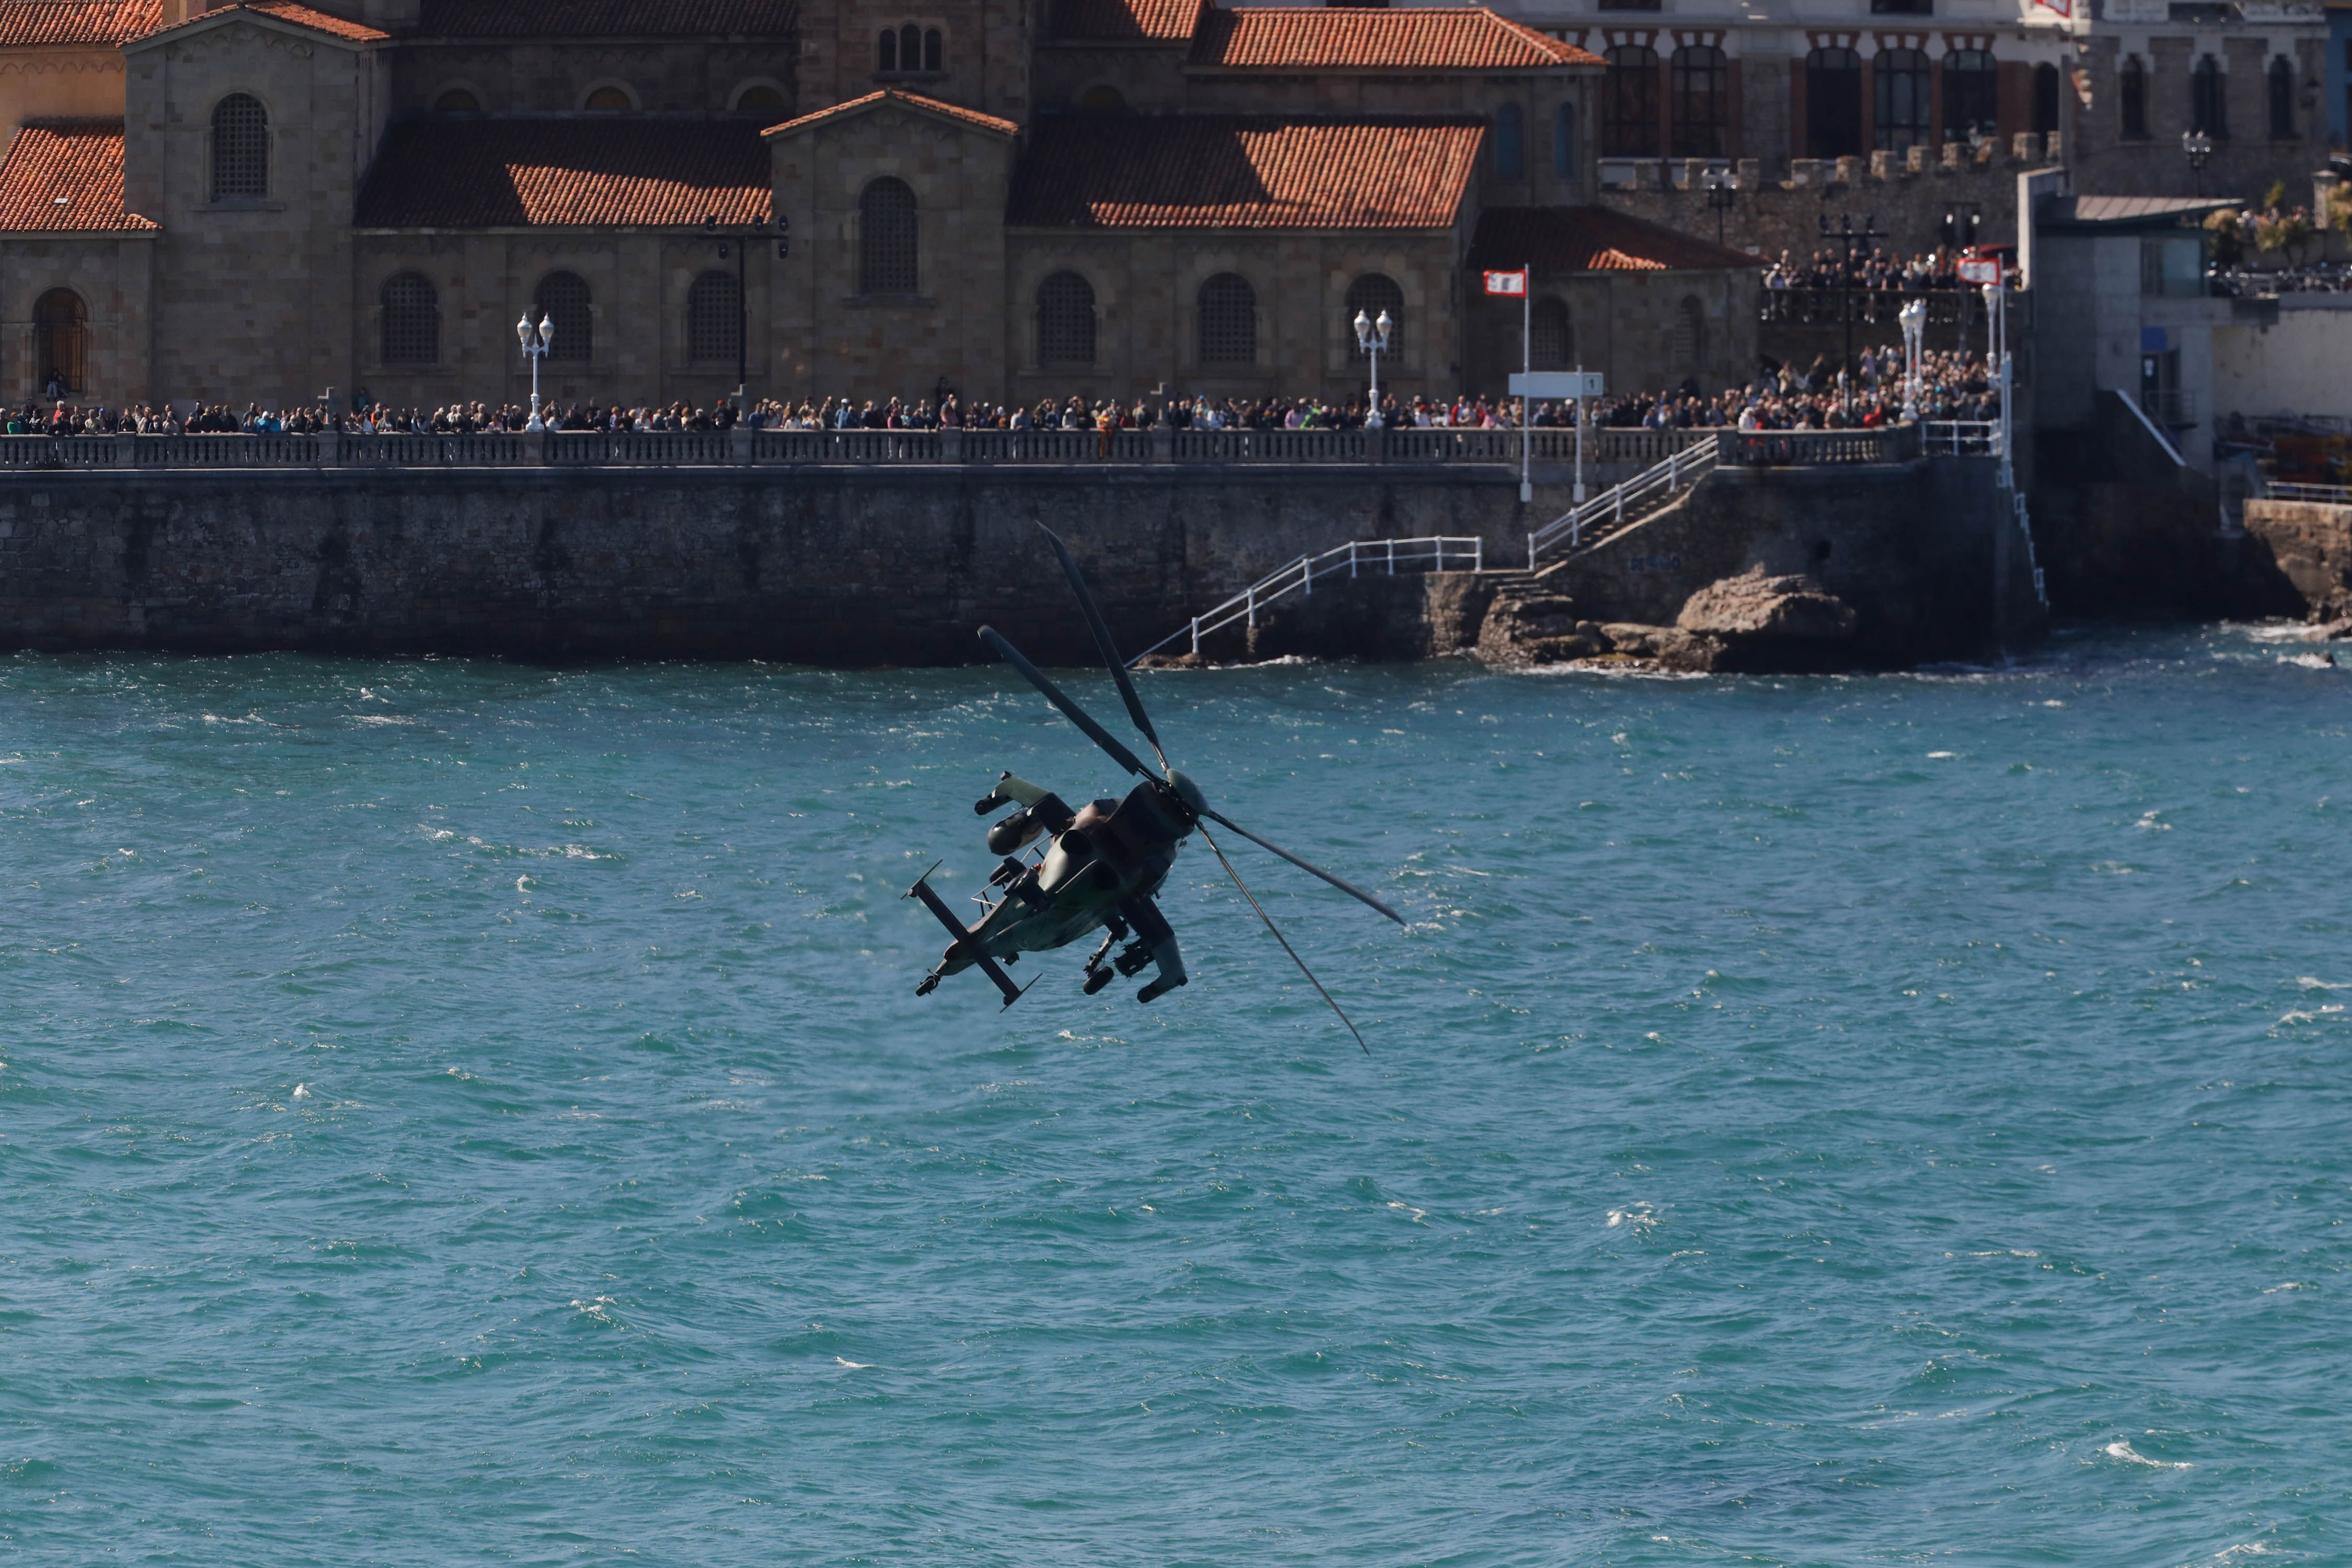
column 266, row 200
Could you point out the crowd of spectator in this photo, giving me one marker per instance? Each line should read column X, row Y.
column 1956, row 387
column 1877, row 269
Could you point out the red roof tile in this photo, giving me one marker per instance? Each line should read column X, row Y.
column 608, row 19
column 1449, row 38
column 1245, row 172
column 316, row 21
column 66, row 175
column 1125, row 21
column 1593, row 239
column 566, row 174
column 30, row 23
column 912, row 99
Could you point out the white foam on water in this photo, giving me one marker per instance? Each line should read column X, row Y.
column 853, row 1365
column 2125, row 1451
column 1634, row 1216
column 2308, row 984
column 300, row 1092
column 599, row 1309
column 2290, row 1285
column 2309, row 660
column 1418, row 1215
column 1942, row 756
column 2147, row 823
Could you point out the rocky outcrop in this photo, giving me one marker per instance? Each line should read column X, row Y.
column 1753, row 622
column 2311, row 542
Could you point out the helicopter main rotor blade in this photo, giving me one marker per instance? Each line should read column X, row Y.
column 1110, row 650
column 1059, row 698
column 1306, row 865
column 1276, row 930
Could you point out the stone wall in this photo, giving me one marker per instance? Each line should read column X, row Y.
column 2310, row 544
column 836, row 566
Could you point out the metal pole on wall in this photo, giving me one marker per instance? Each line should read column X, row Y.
column 1579, row 492
column 1527, row 367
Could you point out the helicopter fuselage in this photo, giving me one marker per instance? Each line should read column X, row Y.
column 1101, row 867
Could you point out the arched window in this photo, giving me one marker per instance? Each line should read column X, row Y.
column 1687, row 347
column 1510, row 143
column 762, row 100
column 2282, row 86
column 910, row 48
column 1551, row 342
column 886, row 51
column 2045, row 98
column 1372, row 294
column 240, row 148
column 609, row 99
column 62, row 339
column 1971, row 94
column 456, row 101
column 1698, row 103
column 409, row 332
column 886, row 238
column 1629, row 103
column 1101, row 98
column 931, row 50
column 1228, row 327
column 2208, row 109
column 2131, row 91
column 1899, row 79
column 1563, row 142
column 562, row 298
column 1066, row 320
column 714, row 320
column 1832, row 103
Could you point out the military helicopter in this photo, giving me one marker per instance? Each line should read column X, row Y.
column 1099, row 866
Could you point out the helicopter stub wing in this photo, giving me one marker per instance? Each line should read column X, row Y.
column 964, row 942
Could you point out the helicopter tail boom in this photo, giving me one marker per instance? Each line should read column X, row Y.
column 964, row 942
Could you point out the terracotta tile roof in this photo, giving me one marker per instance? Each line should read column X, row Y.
column 1449, row 38
column 566, row 174
column 79, row 160
column 912, row 100
column 1593, row 239
column 608, row 19
column 1245, row 172
column 30, row 23
column 1125, row 21
column 304, row 16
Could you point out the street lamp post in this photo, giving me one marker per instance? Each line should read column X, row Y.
column 535, row 344
column 1914, row 317
column 1373, row 337
column 1722, row 190
column 741, row 246
column 1849, row 238
column 2198, row 147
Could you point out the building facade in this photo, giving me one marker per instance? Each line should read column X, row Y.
column 2113, row 82
column 278, row 202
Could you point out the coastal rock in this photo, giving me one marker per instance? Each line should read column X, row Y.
column 1537, row 628
column 1753, row 606
column 1668, row 647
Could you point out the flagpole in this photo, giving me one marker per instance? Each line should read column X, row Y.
column 1527, row 367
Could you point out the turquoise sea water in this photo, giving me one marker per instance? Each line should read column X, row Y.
column 458, row 1114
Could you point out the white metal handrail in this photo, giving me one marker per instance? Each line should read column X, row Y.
column 1682, row 470
column 2280, row 489
column 1441, row 552
column 1961, row 437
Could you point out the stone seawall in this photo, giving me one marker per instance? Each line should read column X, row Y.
column 832, row 567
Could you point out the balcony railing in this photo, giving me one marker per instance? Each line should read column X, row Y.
column 838, row 448
column 1871, row 307
column 1812, row 448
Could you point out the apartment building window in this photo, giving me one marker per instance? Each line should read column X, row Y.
column 562, row 298
column 1563, row 142
column 1971, row 94
column 61, row 339
column 1510, row 143
column 2208, row 109
column 2046, row 99
column 240, row 148
column 1551, row 342
column 409, row 328
column 1699, row 105
column 2281, row 100
column 1066, row 320
column 1900, row 85
column 886, row 238
column 1629, row 103
column 1832, row 103
column 1228, row 323
column 714, row 319
column 2131, row 92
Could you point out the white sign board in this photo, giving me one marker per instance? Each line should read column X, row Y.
column 1556, row 383
column 1980, row 269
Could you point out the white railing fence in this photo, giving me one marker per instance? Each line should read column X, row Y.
column 2332, row 495
column 1683, row 468
column 1960, row 437
column 1357, row 558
